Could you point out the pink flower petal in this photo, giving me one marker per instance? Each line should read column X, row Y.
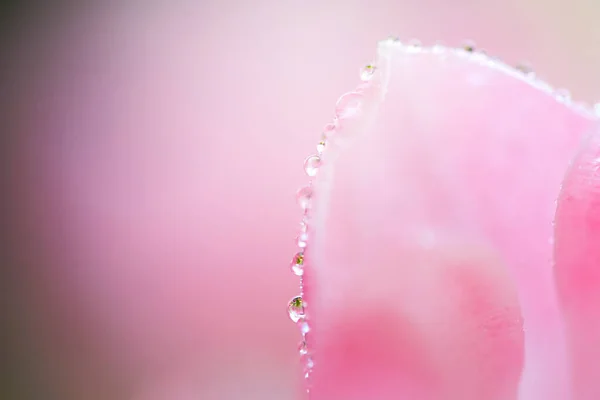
column 433, row 225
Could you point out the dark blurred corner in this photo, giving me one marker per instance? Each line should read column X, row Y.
column 22, row 23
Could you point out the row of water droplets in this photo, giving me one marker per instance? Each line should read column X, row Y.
column 522, row 71
column 347, row 106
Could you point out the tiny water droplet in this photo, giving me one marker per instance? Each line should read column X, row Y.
column 296, row 309
column 469, row 46
column 329, row 129
column 297, row 264
column 309, row 365
column 348, row 105
column 482, row 52
column 367, row 72
column 562, row 94
column 311, row 165
column 302, row 348
column 525, row 68
column 321, row 146
column 415, row 43
column 302, row 240
column 393, row 40
column 304, row 328
column 438, row 48
column 304, row 352
column 304, row 196
column 303, row 226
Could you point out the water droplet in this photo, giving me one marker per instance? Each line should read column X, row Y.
column 415, row 43
column 304, row 196
column 311, row 165
column 296, row 309
column 348, row 105
column 308, row 366
column 302, row 348
column 393, row 40
column 305, row 358
column 297, row 264
column 321, row 146
column 304, row 225
column 367, row 72
column 438, row 48
column 329, row 129
column 304, row 328
column 469, row 46
column 525, row 68
column 302, row 240
column 562, row 94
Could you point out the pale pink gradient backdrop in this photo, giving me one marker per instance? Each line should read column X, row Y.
column 160, row 150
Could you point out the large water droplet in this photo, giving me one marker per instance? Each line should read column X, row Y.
column 311, row 165
column 296, row 309
column 304, row 196
column 367, row 72
column 349, row 105
column 297, row 264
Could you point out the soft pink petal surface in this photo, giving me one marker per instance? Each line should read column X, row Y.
column 432, row 231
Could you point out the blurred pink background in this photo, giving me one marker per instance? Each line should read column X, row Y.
column 156, row 154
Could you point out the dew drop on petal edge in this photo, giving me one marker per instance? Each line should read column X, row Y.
column 311, row 165
column 297, row 264
column 296, row 309
column 304, row 196
column 366, row 73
